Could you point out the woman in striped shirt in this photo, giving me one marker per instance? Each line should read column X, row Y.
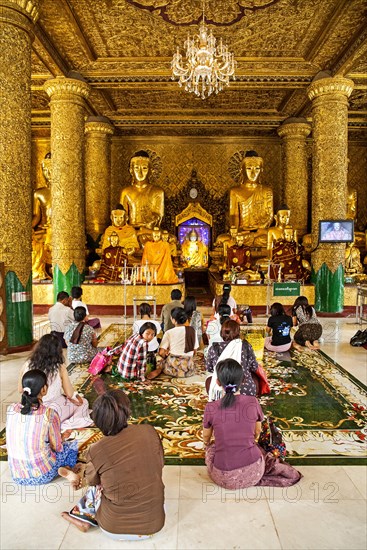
column 33, row 437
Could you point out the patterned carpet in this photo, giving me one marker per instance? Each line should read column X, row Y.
column 319, row 406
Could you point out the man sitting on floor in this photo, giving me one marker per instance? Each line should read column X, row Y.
column 60, row 316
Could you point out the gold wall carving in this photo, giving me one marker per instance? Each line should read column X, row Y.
column 16, row 31
column 294, row 136
column 194, row 210
column 357, row 179
column 97, row 176
column 40, row 148
column 67, row 188
column 330, row 163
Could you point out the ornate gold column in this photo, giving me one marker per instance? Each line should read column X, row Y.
column 329, row 98
column 294, row 132
column 67, row 150
column 17, row 19
column 98, row 131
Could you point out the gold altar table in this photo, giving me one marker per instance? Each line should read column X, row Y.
column 258, row 294
column 109, row 294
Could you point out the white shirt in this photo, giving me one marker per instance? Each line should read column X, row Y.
column 231, row 303
column 60, row 317
column 79, row 303
column 153, row 344
column 174, row 341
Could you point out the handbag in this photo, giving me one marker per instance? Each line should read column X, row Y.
column 102, row 360
column 261, row 381
column 271, row 439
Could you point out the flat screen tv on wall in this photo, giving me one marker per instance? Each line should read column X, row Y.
column 336, row 231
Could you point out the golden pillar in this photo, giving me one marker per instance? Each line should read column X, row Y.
column 68, row 207
column 98, row 131
column 294, row 132
column 17, row 19
column 329, row 98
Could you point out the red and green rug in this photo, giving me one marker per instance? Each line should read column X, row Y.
column 319, row 406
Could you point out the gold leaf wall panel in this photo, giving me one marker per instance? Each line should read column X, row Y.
column 357, row 178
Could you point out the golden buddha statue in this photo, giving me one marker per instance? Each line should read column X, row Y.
column 251, row 203
column 157, row 259
column 126, row 234
column 113, row 260
column 41, row 226
column 278, row 231
column 171, row 240
column 143, row 201
column 194, row 253
column 353, row 263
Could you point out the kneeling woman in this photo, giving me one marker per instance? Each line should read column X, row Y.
column 124, row 471
column 235, row 461
column 33, row 437
column 178, row 346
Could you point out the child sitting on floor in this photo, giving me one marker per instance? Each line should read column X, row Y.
column 133, row 359
column 33, row 437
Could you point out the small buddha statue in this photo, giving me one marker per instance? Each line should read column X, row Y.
column 277, row 232
column 126, row 234
column 143, row 201
column 157, row 259
column 41, row 226
column 238, row 256
column 287, row 261
column 251, row 203
column 353, row 263
column 171, row 240
column 113, row 260
column 194, row 253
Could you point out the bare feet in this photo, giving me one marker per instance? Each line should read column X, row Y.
column 316, row 344
column 81, row 525
column 309, row 345
column 74, row 478
column 297, row 346
column 154, row 373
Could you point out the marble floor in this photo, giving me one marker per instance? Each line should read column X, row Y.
column 327, row 510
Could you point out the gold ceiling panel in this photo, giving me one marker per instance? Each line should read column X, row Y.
column 123, row 49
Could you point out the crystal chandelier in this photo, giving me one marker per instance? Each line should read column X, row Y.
column 207, row 68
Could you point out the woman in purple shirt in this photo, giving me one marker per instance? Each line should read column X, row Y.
column 234, row 461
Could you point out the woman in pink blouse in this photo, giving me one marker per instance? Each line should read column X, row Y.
column 33, row 435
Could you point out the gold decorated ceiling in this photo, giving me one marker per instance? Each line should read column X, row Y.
column 123, row 49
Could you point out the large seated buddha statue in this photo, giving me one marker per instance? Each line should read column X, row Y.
column 142, row 200
column 251, row 203
column 41, row 226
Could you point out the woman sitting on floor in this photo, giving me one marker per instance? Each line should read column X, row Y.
column 178, row 346
column 33, row 435
column 72, row 409
column 279, row 325
column 76, row 294
column 234, row 348
column 194, row 316
column 80, row 338
column 214, row 326
column 235, row 461
column 132, row 363
column 124, row 471
column 309, row 327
